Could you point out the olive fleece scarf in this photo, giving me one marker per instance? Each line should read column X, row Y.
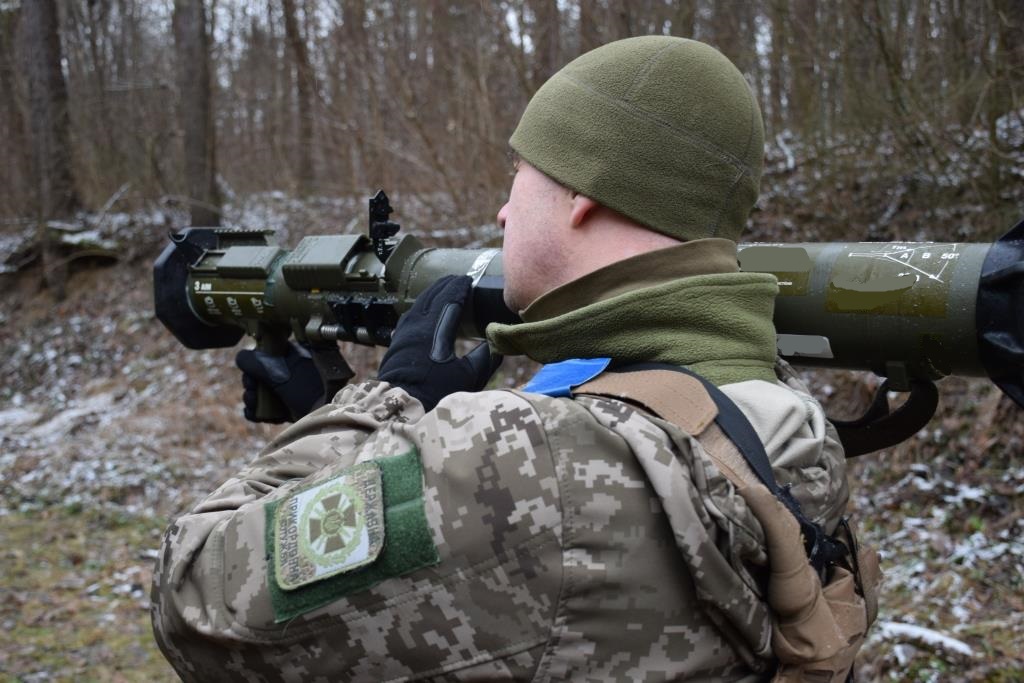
column 686, row 305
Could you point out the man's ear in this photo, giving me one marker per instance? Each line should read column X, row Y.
column 582, row 208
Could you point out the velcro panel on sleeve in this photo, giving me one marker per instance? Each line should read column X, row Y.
column 321, row 521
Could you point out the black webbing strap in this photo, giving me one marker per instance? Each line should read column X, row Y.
column 822, row 550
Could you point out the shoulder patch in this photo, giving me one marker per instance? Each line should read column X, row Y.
column 331, row 527
column 342, row 535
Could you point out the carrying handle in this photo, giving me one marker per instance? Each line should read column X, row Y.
column 880, row 428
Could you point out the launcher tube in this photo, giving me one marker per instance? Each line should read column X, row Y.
column 904, row 310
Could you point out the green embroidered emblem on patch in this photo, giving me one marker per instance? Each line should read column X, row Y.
column 331, row 527
column 343, row 535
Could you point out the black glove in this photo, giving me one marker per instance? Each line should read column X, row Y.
column 422, row 357
column 293, row 377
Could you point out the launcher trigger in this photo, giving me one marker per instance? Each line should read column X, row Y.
column 334, row 371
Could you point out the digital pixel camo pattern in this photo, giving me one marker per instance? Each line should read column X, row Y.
column 578, row 540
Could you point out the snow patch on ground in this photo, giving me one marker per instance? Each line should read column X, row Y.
column 17, row 417
column 918, row 634
column 1010, row 128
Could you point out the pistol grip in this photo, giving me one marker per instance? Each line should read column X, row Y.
column 269, row 406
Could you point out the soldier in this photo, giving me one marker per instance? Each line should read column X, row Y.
column 415, row 526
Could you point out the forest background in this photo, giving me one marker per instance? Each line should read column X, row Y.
column 122, row 119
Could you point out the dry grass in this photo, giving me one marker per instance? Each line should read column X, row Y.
column 74, row 600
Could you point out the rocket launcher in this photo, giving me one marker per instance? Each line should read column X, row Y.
column 911, row 312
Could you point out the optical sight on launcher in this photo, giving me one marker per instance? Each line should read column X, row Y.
column 911, row 312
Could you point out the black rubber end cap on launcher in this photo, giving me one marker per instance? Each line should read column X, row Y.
column 170, row 292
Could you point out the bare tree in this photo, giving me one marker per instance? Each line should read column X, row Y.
column 305, row 88
column 546, row 39
column 803, row 60
column 684, row 19
column 12, row 123
column 192, row 44
column 48, row 107
column 589, row 35
column 777, row 11
column 1009, row 17
column 50, row 131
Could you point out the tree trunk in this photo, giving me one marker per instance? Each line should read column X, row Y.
column 590, row 37
column 778, row 11
column 48, row 107
column 192, row 45
column 545, row 33
column 621, row 19
column 50, row 128
column 304, row 89
column 958, row 42
column 684, row 22
column 1010, row 55
column 725, row 31
column 12, row 126
column 805, row 110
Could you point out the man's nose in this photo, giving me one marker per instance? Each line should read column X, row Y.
column 502, row 215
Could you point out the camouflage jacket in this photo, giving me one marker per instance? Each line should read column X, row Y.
column 575, row 539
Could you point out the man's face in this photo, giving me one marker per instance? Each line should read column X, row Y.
column 536, row 221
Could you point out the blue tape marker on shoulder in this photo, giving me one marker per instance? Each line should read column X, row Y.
column 558, row 379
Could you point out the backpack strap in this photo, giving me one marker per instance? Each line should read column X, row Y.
column 692, row 403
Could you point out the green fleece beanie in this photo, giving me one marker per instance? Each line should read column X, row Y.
column 661, row 129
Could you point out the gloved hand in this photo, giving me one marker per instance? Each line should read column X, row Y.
column 422, row 357
column 293, row 377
